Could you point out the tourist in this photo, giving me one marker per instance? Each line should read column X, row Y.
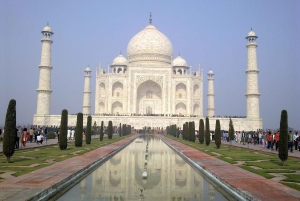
column 291, row 141
column 17, row 138
column 31, row 133
column 39, row 139
column 277, row 140
column 57, row 133
column 24, row 136
column 69, row 134
column 72, row 133
column 270, row 140
column 263, row 140
column 295, row 140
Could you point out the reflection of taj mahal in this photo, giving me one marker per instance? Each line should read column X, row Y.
column 169, row 177
column 148, row 87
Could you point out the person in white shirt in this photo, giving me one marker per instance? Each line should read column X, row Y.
column 39, row 139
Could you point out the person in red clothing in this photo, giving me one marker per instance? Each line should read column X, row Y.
column 270, row 140
column 277, row 140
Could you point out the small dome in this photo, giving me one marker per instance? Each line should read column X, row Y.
column 251, row 33
column 179, row 61
column 87, row 69
column 120, row 61
column 210, row 72
column 47, row 28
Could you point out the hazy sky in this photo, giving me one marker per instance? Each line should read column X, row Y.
column 210, row 32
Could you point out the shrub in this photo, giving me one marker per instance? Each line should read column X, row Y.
column 207, row 131
column 9, row 139
column 218, row 134
column 283, row 136
column 110, row 130
column 101, row 131
column 51, row 135
column 88, row 131
column 63, row 141
column 79, row 130
column 201, row 131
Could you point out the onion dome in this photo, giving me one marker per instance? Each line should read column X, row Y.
column 150, row 45
column 210, row 72
column 120, row 61
column 179, row 61
column 251, row 33
column 47, row 29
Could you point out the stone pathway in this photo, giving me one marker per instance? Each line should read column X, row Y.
column 258, row 187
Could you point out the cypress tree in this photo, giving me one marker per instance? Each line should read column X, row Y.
column 283, row 137
column 175, row 131
column 207, row 131
column 88, row 132
column 178, row 132
column 63, row 139
column 79, row 130
column 120, row 134
column 231, row 131
column 183, row 130
column 186, row 133
column 101, row 131
column 129, row 129
column 110, row 130
column 201, row 131
column 218, row 134
column 191, row 131
column 9, row 139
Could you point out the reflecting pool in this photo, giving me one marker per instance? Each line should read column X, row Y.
column 120, row 178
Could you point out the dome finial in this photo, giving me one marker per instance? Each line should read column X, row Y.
column 251, row 28
column 120, row 52
column 178, row 53
column 47, row 23
column 150, row 19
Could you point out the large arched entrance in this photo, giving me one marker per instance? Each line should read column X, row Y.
column 149, row 98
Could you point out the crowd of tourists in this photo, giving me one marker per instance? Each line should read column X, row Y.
column 267, row 139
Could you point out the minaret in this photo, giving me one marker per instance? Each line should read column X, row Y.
column 87, row 91
column 44, row 90
column 252, row 94
column 210, row 95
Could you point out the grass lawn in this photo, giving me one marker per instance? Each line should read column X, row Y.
column 28, row 160
column 258, row 162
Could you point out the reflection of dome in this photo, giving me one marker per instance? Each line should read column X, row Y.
column 251, row 33
column 47, row 28
column 179, row 61
column 120, row 61
column 150, row 45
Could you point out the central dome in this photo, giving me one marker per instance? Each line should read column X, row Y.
column 150, row 45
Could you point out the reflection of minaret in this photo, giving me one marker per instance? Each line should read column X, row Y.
column 83, row 188
column 87, row 91
column 44, row 90
column 211, row 95
column 252, row 78
column 211, row 192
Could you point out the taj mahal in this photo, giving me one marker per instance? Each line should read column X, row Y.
column 148, row 86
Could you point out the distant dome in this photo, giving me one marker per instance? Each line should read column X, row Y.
column 47, row 29
column 120, row 61
column 179, row 61
column 210, row 72
column 251, row 33
column 150, row 45
column 87, row 69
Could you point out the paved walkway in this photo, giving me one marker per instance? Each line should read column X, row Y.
column 257, row 187
column 26, row 186
column 258, row 147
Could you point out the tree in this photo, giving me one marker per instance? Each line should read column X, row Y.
column 283, row 136
column 110, row 130
column 88, row 131
column 218, row 134
column 207, row 131
column 95, row 128
column 201, row 131
column 9, row 139
column 231, row 131
column 63, row 138
column 79, row 130
column 186, row 133
column 178, row 132
column 101, row 131
column 120, row 134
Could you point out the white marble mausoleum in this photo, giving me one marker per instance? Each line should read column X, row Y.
column 148, row 86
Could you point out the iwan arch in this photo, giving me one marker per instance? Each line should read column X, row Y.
column 148, row 87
